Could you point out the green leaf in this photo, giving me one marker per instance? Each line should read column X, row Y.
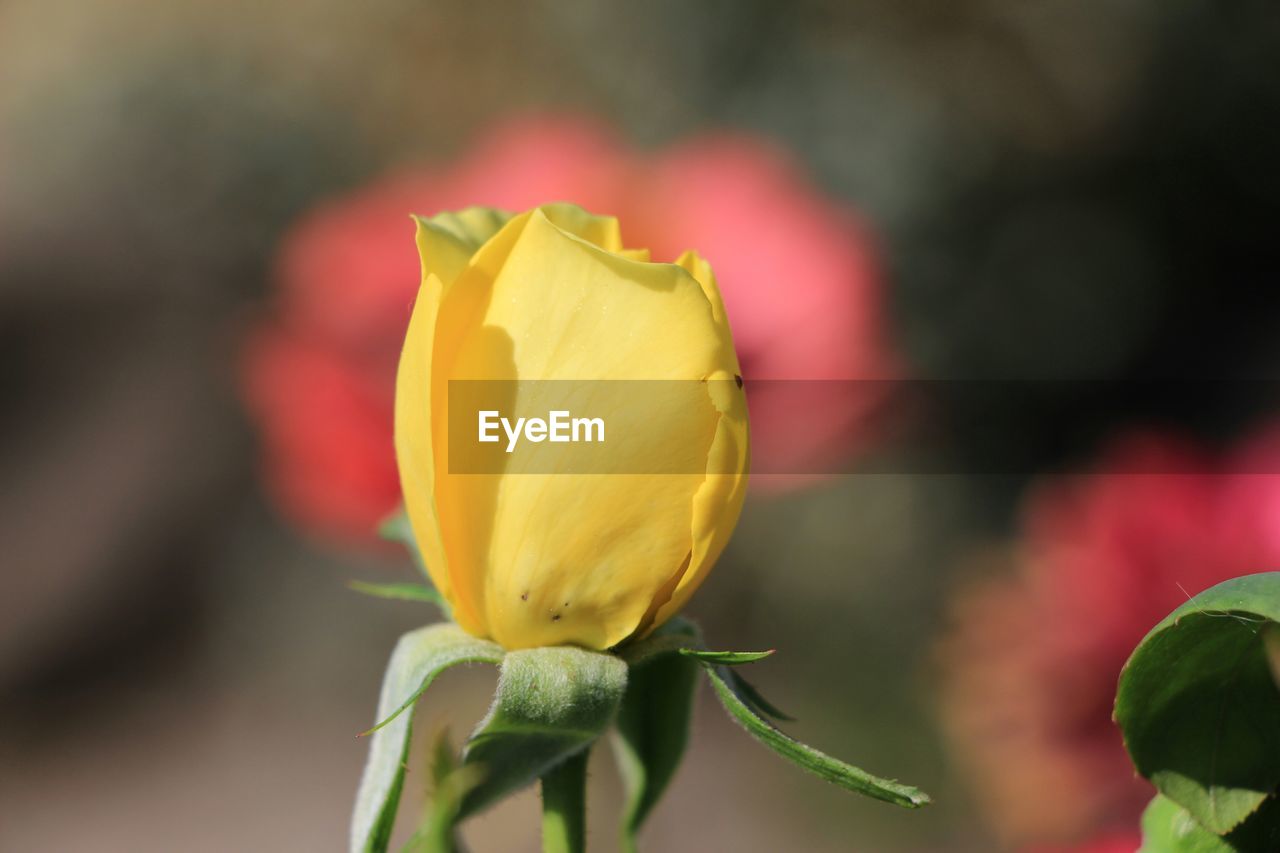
column 1198, row 704
column 726, row 658
column 418, row 658
column 551, row 703
column 820, row 764
column 652, row 732
column 1169, row 828
column 399, row 591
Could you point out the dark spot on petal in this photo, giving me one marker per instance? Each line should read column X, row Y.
column 524, row 596
column 566, row 604
column 738, row 380
column 555, row 618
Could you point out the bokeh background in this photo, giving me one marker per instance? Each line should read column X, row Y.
column 199, row 300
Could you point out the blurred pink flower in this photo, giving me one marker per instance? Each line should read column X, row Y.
column 799, row 275
column 1031, row 662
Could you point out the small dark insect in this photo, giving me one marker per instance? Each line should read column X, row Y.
column 555, row 618
column 738, row 380
column 524, row 596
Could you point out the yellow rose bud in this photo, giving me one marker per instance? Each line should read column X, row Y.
column 541, row 558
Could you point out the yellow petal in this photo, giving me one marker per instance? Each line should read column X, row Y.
column 414, row 455
column 574, row 558
column 716, row 506
column 534, row 558
column 694, row 264
column 446, row 244
column 718, row 501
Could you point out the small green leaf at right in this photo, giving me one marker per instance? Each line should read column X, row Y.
column 1169, row 828
column 1198, row 705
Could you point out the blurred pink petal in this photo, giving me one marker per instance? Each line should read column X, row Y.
column 530, row 161
column 327, row 454
column 1031, row 663
column 348, row 270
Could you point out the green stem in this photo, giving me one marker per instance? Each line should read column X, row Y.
column 564, row 806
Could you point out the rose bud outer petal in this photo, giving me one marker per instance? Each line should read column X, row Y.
column 546, row 558
column 445, row 246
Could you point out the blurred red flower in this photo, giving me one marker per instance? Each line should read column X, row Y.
column 1030, row 665
column 798, row 272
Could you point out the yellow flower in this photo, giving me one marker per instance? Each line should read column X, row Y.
column 530, row 557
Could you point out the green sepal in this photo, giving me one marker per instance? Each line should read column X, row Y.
column 450, row 782
column 726, row 658
column 679, row 633
column 400, row 592
column 418, row 658
column 396, row 528
column 684, row 637
column 1198, row 704
column 653, row 731
column 680, row 636
column 1169, row 828
column 681, row 639
column 551, row 703
column 806, row 757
